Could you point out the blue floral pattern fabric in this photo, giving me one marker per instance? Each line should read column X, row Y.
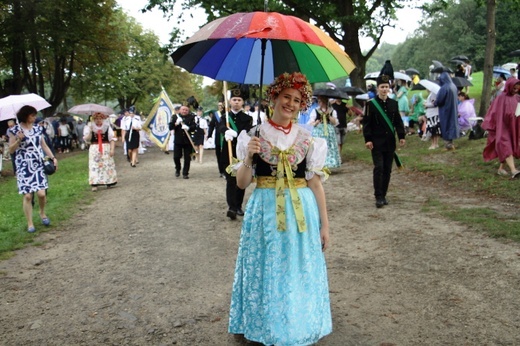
column 280, row 291
column 30, row 176
column 333, row 159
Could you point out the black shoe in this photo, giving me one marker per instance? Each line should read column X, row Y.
column 385, row 202
column 185, row 177
column 231, row 214
column 177, row 174
column 166, row 152
column 240, row 212
column 379, row 203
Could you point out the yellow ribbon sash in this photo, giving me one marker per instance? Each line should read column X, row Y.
column 324, row 121
column 284, row 170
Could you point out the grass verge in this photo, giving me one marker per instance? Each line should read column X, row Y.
column 68, row 189
column 461, row 170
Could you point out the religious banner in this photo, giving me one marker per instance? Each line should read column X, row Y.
column 157, row 123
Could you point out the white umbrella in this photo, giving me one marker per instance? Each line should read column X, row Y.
column 432, row 86
column 397, row 75
column 363, row 97
column 91, row 108
column 10, row 105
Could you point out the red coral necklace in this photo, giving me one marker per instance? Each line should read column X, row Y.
column 284, row 129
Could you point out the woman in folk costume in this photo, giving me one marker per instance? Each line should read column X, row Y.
column 280, row 291
column 503, row 126
column 101, row 165
column 324, row 119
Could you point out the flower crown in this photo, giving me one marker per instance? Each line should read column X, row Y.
column 295, row 80
column 99, row 115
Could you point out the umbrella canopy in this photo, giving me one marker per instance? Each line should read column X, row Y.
column 331, row 93
column 256, row 47
column 509, row 66
column 514, row 53
column 429, row 85
column 457, row 62
column 91, row 108
column 412, row 71
column 461, row 57
column 206, row 113
column 352, row 91
column 363, row 97
column 441, row 69
column 461, row 82
column 437, row 63
column 10, row 105
column 498, row 70
column 397, row 75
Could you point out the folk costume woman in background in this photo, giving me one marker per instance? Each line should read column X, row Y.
column 101, row 165
column 324, row 119
column 26, row 143
column 280, row 290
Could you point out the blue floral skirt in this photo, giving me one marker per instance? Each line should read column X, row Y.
column 280, row 291
column 333, row 159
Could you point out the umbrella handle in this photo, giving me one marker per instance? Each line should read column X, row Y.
column 226, row 108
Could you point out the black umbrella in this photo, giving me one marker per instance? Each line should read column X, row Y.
column 514, row 53
column 331, row 93
column 457, row 62
column 461, row 57
column 441, row 69
column 437, row 63
column 412, row 71
column 461, row 82
column 352, row 91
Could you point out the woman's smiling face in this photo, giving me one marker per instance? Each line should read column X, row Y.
column 286, row 106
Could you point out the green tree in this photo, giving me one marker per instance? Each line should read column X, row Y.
column 463, row 27
column 43, row 43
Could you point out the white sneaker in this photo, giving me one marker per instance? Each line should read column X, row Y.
column 426, row 136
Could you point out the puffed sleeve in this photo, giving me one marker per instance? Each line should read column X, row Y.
column 87, row 133
column 316, row 159
column 242, row 141
column 111, row 136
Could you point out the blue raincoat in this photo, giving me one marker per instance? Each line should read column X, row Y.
column 447, row 103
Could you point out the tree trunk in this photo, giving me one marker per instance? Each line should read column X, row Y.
column 489, row 55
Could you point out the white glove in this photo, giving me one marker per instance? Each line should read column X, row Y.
column 185, row 127
column 230, row 134
column 178, row 121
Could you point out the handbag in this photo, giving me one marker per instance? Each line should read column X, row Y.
column 48, row 166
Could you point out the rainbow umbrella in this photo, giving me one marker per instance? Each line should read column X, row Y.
column 256, row 47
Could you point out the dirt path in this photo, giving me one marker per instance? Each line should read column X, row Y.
column 151, row 263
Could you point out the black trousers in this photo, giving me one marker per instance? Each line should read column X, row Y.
column 383, row 161
column 234, row 194
column 180, row 150
column 218, row 152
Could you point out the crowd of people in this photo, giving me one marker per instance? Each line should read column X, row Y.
column 286, row 147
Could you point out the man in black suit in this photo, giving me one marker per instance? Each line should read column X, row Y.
column 238, row 121
column 380, row 123
column 182, row 124
column 214, row 123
